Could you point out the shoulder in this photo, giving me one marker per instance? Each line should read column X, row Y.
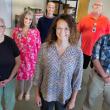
column 104, row 18
column 76, row 50
column 79, row 51
column 83, row 19
column 41, row 18
column 9, row 39
column 44, row 45
column 16, row 28
column 43, row 49
column 34, row 32
column 104, row 38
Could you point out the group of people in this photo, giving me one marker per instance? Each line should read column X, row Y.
column 95, row 35
column 56, row 67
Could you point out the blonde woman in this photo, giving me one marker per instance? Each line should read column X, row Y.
column 27, row 38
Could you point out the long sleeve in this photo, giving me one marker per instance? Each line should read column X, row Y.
column 39, row 69
column 77, row 76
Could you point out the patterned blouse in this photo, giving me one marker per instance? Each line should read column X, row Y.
column 58, row 76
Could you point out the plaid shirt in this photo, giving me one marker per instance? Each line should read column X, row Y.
column 101, row 51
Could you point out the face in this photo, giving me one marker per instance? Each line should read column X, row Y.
column 28, row 20
column 62, row 30
column 2, row 28
column 50, row 8
column 97, row 7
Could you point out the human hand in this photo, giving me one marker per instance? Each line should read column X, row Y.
column 70, row 105
column 2, row 84
column 38, row 100
column 107, row 80
column 6, row 81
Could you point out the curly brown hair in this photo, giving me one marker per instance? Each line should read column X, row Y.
column 74, row 35
column 30, row 13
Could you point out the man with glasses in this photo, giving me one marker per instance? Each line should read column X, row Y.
column 91, row 28
column 9, row 64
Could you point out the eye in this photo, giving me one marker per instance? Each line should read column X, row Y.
column 2, row 26
column 30, row 19
column 26, row 18
column 66, row 29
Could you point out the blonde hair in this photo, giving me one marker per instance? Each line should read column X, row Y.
column 30, row 13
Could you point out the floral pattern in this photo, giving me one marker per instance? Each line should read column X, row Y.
column 29, row 46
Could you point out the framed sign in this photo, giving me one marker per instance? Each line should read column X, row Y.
column 72, row 3
column 72, row 9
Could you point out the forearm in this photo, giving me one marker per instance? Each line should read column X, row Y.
column 37, row 91
column 72, row 101
column 73, row 96
column 15, row 69
column 99, row 68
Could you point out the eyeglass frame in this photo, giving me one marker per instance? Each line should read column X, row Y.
column 2, row 26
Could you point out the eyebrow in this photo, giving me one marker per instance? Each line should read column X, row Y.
column 98, row 4
column 2, row 26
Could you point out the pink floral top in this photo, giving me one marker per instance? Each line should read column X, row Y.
column 29, row 46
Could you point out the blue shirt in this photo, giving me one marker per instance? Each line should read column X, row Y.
column 58, row 76
column 101, row 51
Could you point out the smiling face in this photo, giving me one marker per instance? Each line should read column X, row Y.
column 62, row 30
column 50, row 8
column 98, row 7
column 28, row 20
column 2, row 27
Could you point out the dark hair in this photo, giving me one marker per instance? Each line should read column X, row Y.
column 30, row 13
column 74, row 35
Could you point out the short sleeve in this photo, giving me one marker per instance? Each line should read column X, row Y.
column 15, row 49
column 96, row 49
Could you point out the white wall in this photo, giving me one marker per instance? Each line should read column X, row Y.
column 6, row 11
column 106, row 7
column 18, row 5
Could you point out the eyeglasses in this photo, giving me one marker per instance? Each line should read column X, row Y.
column 96, row 4
column 2, row 26
column 65, row 29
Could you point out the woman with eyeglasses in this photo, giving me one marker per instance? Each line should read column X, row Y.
column 59, row 68
column 9, row 64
